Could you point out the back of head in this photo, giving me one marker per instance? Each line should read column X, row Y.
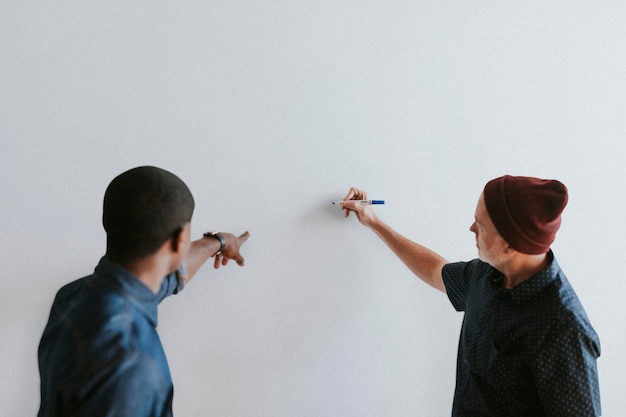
column 142, row 209
column 526, row 211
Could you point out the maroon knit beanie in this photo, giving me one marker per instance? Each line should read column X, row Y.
column 526, row 211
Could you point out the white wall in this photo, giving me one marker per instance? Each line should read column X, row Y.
column 272, row 109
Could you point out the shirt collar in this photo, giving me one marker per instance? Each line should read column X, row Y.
column 117, row 278
column 527, row 290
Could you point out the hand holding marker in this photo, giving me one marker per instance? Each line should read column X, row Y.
column 357, row 202
column 364, row 202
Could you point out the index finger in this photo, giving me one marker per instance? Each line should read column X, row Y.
column 244, row 236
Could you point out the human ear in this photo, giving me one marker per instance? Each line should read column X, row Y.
column 177, row 239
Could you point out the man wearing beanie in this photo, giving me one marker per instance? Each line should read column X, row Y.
column 526, row 347
column 100, row 354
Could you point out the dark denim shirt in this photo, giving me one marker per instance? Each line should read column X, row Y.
column 100, row 354
column 525, row 351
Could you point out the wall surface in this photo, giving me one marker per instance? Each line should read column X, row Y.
column 270, row 110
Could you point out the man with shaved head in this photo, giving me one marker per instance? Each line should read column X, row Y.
column 100, row 354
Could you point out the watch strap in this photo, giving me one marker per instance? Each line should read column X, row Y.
column 218, row 236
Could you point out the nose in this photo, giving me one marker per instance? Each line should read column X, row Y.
column 473, row 228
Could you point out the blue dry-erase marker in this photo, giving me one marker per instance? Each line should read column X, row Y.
column 365, row 202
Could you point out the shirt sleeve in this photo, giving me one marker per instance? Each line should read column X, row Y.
column 459, row 279
column 456, row 281
column 173, row 283
column 566, row 372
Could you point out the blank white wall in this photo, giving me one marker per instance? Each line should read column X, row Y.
column 269, row 110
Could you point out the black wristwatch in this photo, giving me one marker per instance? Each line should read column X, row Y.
column 219, row 237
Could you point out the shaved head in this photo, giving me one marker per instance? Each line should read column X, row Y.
column 142, row 209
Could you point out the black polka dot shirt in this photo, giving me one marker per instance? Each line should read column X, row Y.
column 525, row 351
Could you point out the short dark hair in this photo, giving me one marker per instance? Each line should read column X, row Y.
column 143, row 208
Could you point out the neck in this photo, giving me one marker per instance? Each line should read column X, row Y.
column 150, row 271
column 523, row 267
column 149, row 276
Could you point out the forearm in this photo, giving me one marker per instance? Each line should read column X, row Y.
column 423, row 262
column 201, row 250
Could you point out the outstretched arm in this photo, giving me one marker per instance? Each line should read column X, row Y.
column 423, row 262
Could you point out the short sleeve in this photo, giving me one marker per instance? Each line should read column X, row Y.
column 456, row 282
column 458, row 277
column 566, row 372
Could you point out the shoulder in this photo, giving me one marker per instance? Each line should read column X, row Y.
column 92, row 316
column 461, row 278
column 475, row 267
column 567, row 316
column 69, row 292
column 460, row 275
column 563, row 301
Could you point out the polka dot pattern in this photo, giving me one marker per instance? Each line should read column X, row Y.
column 525, row 351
